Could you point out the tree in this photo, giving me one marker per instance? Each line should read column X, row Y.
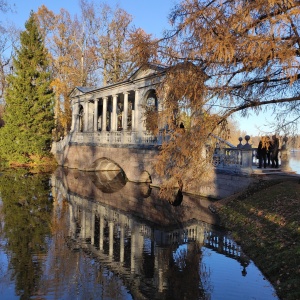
column 27, row 210
column 226, row 57
column 8, row 38
column 67, row 62
column 28, row 115
column 112, row 44
column 87, row 49
column 4, row 6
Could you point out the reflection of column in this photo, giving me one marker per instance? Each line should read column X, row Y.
column 122, row 237
column 101, row 232
column 114, row 113
column 132, row 258
column 125, row 111
column 160, row 280
column 72, row 230
column 92, row 232
column 83, row 227
column 136, row 111
column 96, row 115
column 111, row 238
column 160, row 264
column 86, row 115
column 104, row 111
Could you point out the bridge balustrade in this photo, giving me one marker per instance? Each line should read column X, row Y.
column 60, row 145
column 227, row 157
column 113, row 137
column 235, row 159
column 240, row 159
column 244, row 160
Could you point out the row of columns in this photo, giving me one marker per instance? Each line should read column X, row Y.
column 114, row 119
column 87, row 225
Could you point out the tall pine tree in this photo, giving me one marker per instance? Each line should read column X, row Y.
column 28, row 116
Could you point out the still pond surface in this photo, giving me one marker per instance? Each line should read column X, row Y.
column 74, row 235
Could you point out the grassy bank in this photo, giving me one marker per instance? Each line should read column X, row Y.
column 43, row 165
column 265, row 219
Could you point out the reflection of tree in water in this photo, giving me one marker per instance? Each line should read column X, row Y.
column 73, row 271
column 177, row 199
column 27, row 212
column 184, row 274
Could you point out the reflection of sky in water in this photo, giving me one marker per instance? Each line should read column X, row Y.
column 179, row 254
column 226, row 282
column 295, row 161
column 222, row 277
column 7, row 289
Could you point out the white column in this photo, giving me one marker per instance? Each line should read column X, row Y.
column 136, row 111
column 75, row 109
column 104, row 111
column 86, row 116
column 96, row 115
column 114, row 114
column 125, row 111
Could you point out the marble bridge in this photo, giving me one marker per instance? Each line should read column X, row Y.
column 108, row 133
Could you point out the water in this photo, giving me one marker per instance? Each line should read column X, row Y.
column 295, row 161
column 96, row 237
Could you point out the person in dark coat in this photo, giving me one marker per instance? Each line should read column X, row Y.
column 274, row 151
column 269, row 152
column 262, row 150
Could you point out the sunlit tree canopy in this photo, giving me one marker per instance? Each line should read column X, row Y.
column 228, row 57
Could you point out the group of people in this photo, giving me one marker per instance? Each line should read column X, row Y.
column 267, row 152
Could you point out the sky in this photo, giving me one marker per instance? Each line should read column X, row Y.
column 150, row 15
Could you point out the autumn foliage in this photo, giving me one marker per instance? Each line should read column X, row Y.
column 223, row 58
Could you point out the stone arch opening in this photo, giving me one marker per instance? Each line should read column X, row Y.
column 99, row 116
column 80, row 118
column 151, row 111
column 151, row 100
column 106, row 164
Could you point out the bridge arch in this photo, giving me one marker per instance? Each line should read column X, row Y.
column 106, row 164
column 129, row 167
column 151, row 99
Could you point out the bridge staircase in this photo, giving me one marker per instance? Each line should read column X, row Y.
column 271, row 171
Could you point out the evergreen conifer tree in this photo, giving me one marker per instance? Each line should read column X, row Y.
column 28, row 117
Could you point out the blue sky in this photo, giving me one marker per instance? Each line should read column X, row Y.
column 150, row 15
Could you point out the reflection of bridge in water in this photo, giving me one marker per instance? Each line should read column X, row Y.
column 135, row 234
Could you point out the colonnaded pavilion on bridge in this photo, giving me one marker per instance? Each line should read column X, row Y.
column 115, row 113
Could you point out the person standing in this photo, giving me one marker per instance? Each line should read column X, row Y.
column 262, row 149
column 274, row 151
